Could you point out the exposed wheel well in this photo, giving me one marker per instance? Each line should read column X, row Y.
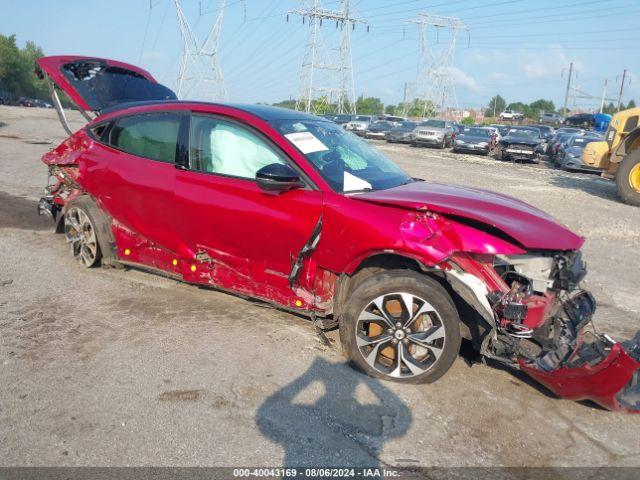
column 471, row 322
column 369, row 267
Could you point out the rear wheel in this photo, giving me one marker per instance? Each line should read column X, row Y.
column 628, row 178
column 80, row 233
column 402, row 326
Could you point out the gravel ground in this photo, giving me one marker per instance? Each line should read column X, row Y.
column 121, row 367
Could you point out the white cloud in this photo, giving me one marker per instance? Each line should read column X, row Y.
column 462, row 79
column 547, row 63
column 499, row 77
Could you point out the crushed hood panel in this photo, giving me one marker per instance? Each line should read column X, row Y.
column 531, row 227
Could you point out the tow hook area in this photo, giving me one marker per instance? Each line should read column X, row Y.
column 603, row 371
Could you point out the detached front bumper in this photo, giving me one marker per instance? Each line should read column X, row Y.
column 611, row 378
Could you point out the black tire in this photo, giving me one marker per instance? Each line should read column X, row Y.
column 443, row 145
column 630, row 163
column 101, row 225
column 422, row 287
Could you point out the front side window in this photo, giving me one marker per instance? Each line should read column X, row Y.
column 153, row 135
column 225, row 148
column 346, row 162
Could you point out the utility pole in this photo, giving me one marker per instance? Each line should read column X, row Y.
column 327, row 81
column 566, row 95
column 604, row 94
column 200, row 76
column 624, row 75
column 434, row 84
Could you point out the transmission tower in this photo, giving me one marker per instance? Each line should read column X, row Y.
column 326, row 76
column 434, row 84
column 200, row 76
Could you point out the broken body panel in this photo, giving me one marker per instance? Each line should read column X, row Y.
column 515, row 266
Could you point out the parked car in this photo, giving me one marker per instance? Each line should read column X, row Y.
column 262, row 201
column 359, row 124
column 436, row 133
column 521, row 143
column 394, row 119
column 585, row 120
column 569, row 156
column 547, row 134
column 502, row 129
column 561, row 135
column 473, row 139
column 378, row 129
column 550, row 118
column 511, row 115
column 403, row 133
column 342, row 119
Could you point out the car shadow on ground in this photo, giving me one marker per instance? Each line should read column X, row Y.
column 22, row 213
column 334, row 416
column 590, row 183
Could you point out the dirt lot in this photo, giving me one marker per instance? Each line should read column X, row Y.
column 119, row 367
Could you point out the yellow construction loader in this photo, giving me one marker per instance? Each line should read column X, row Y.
column 618, row 156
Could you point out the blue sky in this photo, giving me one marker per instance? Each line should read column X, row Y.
column 518, row 48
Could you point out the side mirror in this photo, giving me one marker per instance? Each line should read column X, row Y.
column 278, row 177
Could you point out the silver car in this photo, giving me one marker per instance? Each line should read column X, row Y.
column 437, row 133
column 359, row 124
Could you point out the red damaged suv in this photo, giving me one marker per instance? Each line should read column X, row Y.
column 291, row 209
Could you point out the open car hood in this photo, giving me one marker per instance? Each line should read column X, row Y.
column 530, row 227
column 94, row 84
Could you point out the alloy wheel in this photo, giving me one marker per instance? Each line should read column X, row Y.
column 81, row 236
column 400, row 335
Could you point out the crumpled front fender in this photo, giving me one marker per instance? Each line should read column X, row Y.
column 613, row 383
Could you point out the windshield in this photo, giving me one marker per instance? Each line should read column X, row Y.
column 475, row 132
column 408, row 125
column 524, row 133
column 434, row 123
column 346, row 162
column 363, row 118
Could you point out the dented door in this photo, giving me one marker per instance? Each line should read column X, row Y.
column 251, row 237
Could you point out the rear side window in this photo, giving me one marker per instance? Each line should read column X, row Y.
column 153, row 136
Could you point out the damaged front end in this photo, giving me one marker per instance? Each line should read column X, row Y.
column 540, row 321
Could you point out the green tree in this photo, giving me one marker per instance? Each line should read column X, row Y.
column 631, row 104
column 390, row 109
column 467, row 121
column 539, row 106
column 519, row 107
column 369, row 105
column 290, row 104
column 610, row 109
column 12, row 68
column 497, row 105
column 420, row 108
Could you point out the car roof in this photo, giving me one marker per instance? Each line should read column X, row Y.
column 264, row 112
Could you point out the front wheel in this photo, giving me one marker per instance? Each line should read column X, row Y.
column 402, row 326
column 628, row 178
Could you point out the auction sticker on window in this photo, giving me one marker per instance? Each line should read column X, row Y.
column 306, row 142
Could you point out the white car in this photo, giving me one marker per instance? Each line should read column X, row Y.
column 511, row 115
column 359, row 124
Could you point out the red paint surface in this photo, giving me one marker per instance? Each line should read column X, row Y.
column 599, row 383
